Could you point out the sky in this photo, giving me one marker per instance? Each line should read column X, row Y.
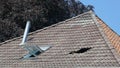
column 108, row 11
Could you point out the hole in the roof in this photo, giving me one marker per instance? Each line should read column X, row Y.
column 81, row 50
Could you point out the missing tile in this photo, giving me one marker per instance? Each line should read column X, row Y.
column 81, row 50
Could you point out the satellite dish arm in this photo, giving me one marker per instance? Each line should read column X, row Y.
column 24, row 40
column 34, row 50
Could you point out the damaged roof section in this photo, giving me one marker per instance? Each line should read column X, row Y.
column 82, row 36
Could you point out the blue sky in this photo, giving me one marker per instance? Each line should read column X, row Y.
column 108, row 11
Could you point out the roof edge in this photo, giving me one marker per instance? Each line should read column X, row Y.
column 108, row 26
column 39, row 30
column 105, row 38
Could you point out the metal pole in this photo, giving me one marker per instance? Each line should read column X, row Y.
column 26, row 32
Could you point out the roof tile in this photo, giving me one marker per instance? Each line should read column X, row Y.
column 65, row 37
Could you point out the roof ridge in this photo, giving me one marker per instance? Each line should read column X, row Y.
column 45, row 28
column 104, row 36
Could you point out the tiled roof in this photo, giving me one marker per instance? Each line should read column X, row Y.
column 112, row 36
column 67, row 38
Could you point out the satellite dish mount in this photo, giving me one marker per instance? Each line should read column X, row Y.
column 33, row 50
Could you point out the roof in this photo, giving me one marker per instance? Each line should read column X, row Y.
column 67, row 38
column 112, row 36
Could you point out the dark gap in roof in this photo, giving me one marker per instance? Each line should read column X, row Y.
column 81, row 50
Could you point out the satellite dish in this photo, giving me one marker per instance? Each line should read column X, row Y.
column 33, row 50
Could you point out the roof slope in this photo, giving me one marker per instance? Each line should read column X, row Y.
column 82, row 31
column 112, row 36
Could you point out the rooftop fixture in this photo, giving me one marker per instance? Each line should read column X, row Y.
column 33, row 50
